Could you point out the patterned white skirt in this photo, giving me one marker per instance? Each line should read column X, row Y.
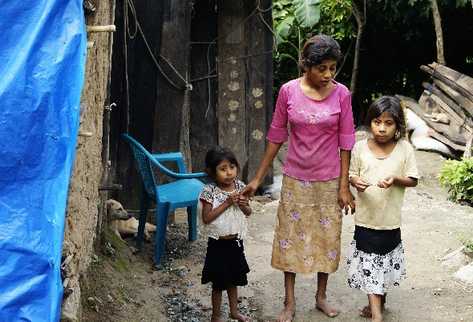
column 374, row 273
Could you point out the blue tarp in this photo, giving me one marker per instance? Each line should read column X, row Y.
column 42, row 59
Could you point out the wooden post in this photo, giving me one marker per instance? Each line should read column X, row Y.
column 259, row 50
column 231, row 114
column 438, row 31
column 170, row 116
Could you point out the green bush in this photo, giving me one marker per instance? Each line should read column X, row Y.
column 457, row 176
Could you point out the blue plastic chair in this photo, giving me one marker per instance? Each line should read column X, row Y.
column 181, row 193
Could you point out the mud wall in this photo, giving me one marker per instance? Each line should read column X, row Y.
column 84, row 213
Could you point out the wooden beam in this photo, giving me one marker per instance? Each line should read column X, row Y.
column 172, row 106
column 259, row 51
column 231, row 114
column 461, row 100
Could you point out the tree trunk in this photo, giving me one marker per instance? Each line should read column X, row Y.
column 360, row 16
column 438, row 32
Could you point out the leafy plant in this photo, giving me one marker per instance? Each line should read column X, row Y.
column 457, row 176
column 296, row 20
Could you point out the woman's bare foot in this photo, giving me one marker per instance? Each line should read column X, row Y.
column 322, row 305
column 240, row 317
column 287, row 314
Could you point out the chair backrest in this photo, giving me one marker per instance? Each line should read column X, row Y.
column 145, row 167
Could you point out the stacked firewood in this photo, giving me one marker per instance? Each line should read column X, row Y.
column 446, row 106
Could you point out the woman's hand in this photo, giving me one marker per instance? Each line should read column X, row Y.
column 359, row 183
column 250, row 189
column 243, row 201
column 345, row 200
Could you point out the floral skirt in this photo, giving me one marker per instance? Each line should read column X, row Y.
column 374, row 273
column 308, row 227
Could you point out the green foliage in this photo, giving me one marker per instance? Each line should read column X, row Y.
column 469, row 246
column 307, row 12
column 296, row 20
column 457, row 176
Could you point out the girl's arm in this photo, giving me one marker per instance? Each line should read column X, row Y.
column 244, row 205
column 209, row 214
column 398, row 181
column 345, row 198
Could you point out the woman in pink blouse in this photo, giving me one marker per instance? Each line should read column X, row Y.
column 314, row 112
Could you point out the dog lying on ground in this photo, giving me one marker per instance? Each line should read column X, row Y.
column 124, row 224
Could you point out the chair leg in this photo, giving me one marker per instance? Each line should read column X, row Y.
column 142, row 220
column 162, row 211
column 192, row 222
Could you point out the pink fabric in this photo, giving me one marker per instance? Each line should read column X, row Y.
column 317, row 130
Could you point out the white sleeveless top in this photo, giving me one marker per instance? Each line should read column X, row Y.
column 232, row 221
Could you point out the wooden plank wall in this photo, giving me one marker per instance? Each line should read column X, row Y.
column 245, row 80
column 231, row 105
column 138, row 117
column 224, row 49
column 171, row 114
column 203, row 129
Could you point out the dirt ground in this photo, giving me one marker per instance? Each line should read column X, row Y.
column 126, row 287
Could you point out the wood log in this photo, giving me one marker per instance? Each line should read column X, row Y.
column 461, row 100
column 439, row 137
column 469, row 143
column 457, row 81
column 462, row 80
column 443, row 129
column 451, row 103
column 107, row 28
column 459, row 120
column 418, row 110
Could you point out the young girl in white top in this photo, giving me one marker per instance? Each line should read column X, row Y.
column 224, row 213
column 381, row 168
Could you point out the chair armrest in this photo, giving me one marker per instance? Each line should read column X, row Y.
column 172, row 156
column 176, row 175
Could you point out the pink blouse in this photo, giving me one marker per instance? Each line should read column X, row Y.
column 317, row 130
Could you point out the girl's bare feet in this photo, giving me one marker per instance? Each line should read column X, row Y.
column 322, row 305
column 240, row 317
column 216, row 318
column 288, row 313
column 366, row 312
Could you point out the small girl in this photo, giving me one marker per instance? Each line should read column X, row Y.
column 224, row 213
column 381, row 168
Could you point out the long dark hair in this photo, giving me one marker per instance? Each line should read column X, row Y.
column 216, row 155
column 317, row 49
column 391, row 105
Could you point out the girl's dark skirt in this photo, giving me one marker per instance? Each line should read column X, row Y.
column 225, row 264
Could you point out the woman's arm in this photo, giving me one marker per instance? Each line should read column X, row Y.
column 345, row 198
column 269, row 155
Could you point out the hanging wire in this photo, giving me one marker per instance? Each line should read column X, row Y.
column 125, row 55
column 187, row 85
